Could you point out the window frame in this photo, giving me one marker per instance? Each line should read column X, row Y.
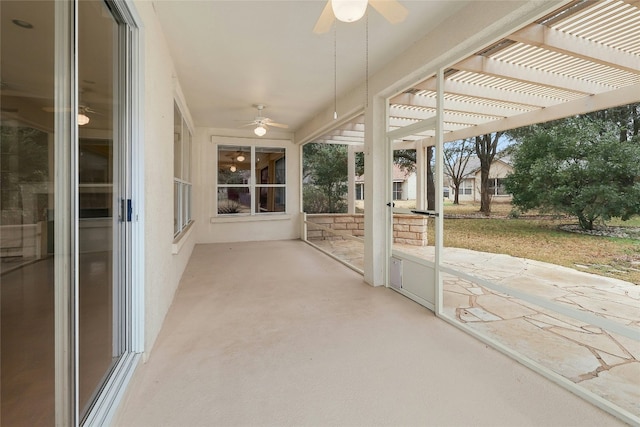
column 397, row 187
column 182, row 179
column 252, row 185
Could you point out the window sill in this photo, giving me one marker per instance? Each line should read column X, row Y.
column 181, row 239
column 250, row 218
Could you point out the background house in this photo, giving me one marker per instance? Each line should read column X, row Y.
column 404, row 184
column 470, row 186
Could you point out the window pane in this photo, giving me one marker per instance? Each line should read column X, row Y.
column 99, row 319
column 270, row 165
column 186, row 175
column 26, row 214
column 176, row 207
column 177, row 142
column 270, row 199
column 96, row 178
column 234, row 165
column 234, row 200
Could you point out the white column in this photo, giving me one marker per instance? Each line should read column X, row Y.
column 377, row 179
column 351, row 180
column 421, row 177
column 439, row 178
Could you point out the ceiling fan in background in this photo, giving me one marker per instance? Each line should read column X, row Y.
column 83, row 113
column 262, row 123
column 353, row 10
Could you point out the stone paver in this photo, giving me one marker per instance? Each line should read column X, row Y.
column 602, row 362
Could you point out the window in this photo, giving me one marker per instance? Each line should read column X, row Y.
column 360, row 191
column 496, row 187
column 466, row 187
column 181, row 172
column 251, row 180
column 397, row 191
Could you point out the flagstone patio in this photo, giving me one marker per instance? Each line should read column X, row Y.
column 601, row 361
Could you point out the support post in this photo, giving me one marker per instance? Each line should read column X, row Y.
column 439, row 220
column 351, row 180
column 377, row 180
column 421, row 177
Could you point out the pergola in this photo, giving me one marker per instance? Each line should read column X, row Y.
column 584, row 57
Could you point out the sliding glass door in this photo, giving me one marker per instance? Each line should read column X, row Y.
column 102, row 194
column 65, row 207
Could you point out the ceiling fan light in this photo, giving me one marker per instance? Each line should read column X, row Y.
column 233, row 168
column 83, row 119
column 240, row 158
column 260, row 130
column 349, row 10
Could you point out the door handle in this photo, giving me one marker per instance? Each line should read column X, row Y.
column 391, row 205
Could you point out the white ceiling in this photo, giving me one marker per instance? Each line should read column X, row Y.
column 230, row 55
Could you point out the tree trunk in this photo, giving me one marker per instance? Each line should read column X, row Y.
column 456, row 199
column 486, row 148
column 431, row 186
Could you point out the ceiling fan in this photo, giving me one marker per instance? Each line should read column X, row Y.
column 262, row 122
column 352, row 10
column 83, row 113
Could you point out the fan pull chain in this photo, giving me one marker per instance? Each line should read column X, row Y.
column 335, row 74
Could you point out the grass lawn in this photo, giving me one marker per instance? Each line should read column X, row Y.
column 538, row 237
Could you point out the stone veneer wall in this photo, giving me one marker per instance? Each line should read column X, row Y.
column 407, row 229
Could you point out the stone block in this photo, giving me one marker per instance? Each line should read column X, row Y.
column 325, row 219
column 408, row 235
column 341, row 219
column 417, row 228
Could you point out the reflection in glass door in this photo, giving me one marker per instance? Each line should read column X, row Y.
column 102, row 186
column 26, row 213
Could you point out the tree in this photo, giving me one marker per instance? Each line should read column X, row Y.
column 456, row 158
column 325, row 178
column 486, row 147
column 577, row 166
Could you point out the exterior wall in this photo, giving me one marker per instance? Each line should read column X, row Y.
column 352, row 224
column 499, row 169
column 466, row 197
column 410, row 185
column 212, row 228
column 407, row 229
column 163, row 269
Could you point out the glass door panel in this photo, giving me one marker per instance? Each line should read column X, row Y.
column 26, row 213
column 99, row 199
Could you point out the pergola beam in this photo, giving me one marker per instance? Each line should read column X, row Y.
column 491, row 93
column 450, row 116
column 489, row 66
column 622, row 96
column 457, row 105
column 558, row 41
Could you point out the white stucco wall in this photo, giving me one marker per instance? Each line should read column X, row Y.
column 163, row 269
column 212, row 228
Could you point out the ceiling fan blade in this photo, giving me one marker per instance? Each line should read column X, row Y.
column 325, row 21
column 55, row 110
column 277, row 125
column 391, row 10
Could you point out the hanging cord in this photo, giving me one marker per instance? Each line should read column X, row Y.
column 366, row 84
column 335, row 73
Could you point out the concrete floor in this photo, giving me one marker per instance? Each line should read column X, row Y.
column 277, row 333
